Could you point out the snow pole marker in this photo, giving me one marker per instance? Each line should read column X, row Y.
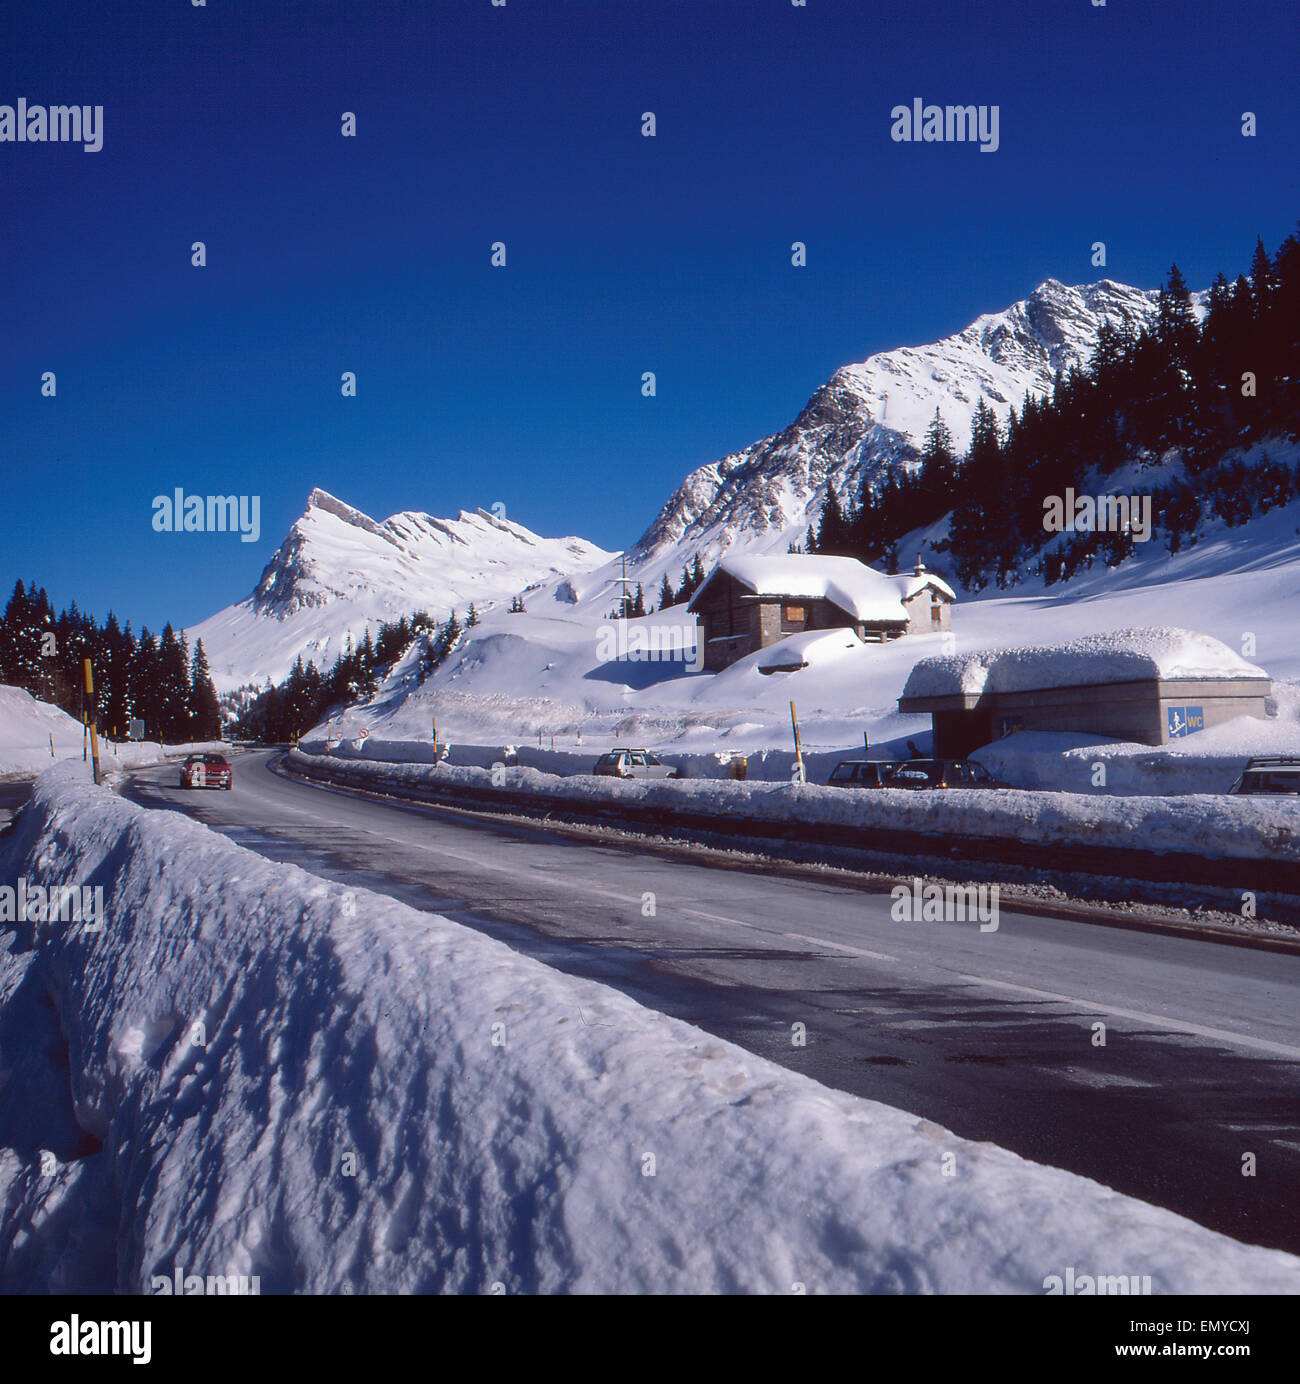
column 798, row 747
column 90, row 716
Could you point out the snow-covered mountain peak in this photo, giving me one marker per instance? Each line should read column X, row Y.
column 323, row 500
column 338, row 570
column 871, row 416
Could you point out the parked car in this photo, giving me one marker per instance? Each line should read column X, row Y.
column 621, row 762
column 861, row 773
column 207, row 771
column 1277, row 774
column 941, row 773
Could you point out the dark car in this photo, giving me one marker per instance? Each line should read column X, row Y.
column 1278, row 774
column 861, row 773
column 207, row 771
column 941, row 773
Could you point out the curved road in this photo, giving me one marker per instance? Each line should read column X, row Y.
column 992, row 1034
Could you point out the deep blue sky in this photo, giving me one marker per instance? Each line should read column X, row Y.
column 672, row 254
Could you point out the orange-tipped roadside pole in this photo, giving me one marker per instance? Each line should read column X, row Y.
column 798, row 747
column 90, row 716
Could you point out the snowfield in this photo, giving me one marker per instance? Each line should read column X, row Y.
column 337, row 1093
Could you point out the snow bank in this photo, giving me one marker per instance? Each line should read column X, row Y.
column 1118, row 656
column 1218, row 826
column 26, row 727
column 382, row 1100
column 767, row 765
column 1208, row 762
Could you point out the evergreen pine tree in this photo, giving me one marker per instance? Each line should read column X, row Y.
column 1262, row 279
column 146, row 685
column 173, row 689
column 205, row 709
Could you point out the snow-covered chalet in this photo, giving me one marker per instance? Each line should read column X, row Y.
column 748, row 603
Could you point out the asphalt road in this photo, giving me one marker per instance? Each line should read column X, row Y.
column 988, row 1033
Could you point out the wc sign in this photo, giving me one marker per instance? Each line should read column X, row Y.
column 1185, row 720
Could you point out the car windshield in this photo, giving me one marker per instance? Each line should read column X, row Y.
column 607, row 761
column 650, row 759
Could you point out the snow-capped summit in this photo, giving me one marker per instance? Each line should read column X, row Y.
column 872, row 416
column 339, row 570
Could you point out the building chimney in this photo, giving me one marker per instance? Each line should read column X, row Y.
column 920, row 566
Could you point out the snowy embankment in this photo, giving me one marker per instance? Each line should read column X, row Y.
column 335, row 1092
column 1212, row 825
column 34, row 735
column 776, row 766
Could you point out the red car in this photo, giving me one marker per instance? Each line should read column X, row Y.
column 207, row 771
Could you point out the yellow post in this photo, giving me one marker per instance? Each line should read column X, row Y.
column 798, row 747
column 90, row 716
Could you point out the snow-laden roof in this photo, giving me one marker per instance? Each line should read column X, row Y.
column 1129, row 655
column 865, row 593
column 910, row 583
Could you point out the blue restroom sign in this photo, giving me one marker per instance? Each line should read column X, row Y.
column 1185, row 720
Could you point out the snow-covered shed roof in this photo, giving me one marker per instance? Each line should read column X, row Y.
column 853, row 586
column 812, row 646
column 1134, row 655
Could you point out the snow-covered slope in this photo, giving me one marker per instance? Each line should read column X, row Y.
column 27, row 728
column 254, row 1072
column 338, row 570
column 870, row 417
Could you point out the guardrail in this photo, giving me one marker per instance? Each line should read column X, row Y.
column 1231, row 874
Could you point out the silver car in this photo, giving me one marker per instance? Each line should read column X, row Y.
column 621, row 762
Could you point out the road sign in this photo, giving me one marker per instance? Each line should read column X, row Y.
column 1184, row 720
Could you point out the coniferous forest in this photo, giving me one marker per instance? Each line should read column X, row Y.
column 154, row 678
column 284, row 711
column 1197, row 391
